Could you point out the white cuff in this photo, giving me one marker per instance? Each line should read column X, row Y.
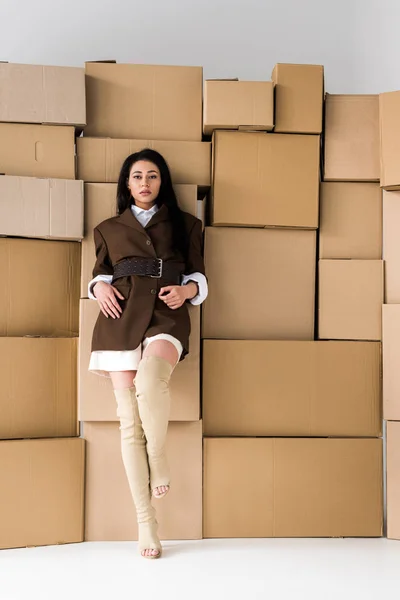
column 106, row 278
column 201, row 281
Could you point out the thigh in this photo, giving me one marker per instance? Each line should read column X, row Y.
column 162, row 349
column 122, row 379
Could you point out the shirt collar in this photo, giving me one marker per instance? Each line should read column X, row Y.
column 151, row 211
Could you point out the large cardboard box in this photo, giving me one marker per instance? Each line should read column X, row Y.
column 350, row 221
column 144, row 101
column 101, row 204
column 42, row 488
column 393, row 479
column 299, row 97
column 350, row 299
column 37, row 150
column 391, row 361
column 41, row 208
column 100, row 159
column 391, row 246
column 261, row 284
column 389, row 126
column 43, row 402
column 277, row 487
column 262, row 180
column 109, row 511
column 351, row 138
column 95, row 393
column 39, row 292
column 243, row 105
column 42, row 94
column 278, row 388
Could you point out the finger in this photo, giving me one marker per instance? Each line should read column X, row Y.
column 115, row 303
column 117, row 293
column 167, row 288
column 112, row 311
column 103, row 311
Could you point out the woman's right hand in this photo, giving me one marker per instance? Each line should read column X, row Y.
column 106, row 295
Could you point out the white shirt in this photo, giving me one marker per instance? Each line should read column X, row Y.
column 144, row 216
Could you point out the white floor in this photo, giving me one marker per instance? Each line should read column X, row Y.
column 322, row 569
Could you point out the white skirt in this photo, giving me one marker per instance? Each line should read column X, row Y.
column 104, row 361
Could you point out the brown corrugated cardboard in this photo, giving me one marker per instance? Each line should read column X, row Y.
column 42, row 487
column 393, row 479
column 100, row 159
column 299, row 96
column 144, row 101
column 292, row 487
column 389, row 129
column 37, row 150
column 391, row 361
column 350, row 299
column 101, row 204
column 279, row 388
column 244, row 105
column 391, row 246
column 42, row 403
column 261, row 284
column 351, row 138
column 110, row 513
column 39, row 294
column 262, row 180
column 350, row 221
column 42, row 94
column 41, row 208
column 96, row 398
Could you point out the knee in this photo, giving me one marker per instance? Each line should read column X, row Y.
column 153, row 375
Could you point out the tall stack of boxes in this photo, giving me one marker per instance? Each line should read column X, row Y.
column 130, row 107
column 291, row 424
column 41, row 223
column 389, row 106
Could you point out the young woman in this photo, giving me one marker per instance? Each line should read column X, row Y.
column 149, row 264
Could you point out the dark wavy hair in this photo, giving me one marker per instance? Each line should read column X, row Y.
column 165, row 196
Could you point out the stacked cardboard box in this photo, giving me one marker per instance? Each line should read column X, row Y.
column 286, row 418
column 158, row 107
column 41, row 456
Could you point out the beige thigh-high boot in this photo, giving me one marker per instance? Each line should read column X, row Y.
column 152, row 393
column 134, row 457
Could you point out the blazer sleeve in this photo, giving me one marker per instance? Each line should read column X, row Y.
column 195, row 260
column 103, row 264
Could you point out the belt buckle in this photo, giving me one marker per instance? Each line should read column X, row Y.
column 160, row 269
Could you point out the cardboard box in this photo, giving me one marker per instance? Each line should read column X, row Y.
column 37, row 150
column 351, row 138
column 292, row 487
column 264, row 291
column 42, row 487
column 391, row 246
column 389, row 129
column 279, row 388
column 101, row 204
column 350, row 221
column 393, row 479
column 391, row 358
column 144, row 101
column 299, row 97
column 278, row 175
column 42, row 403
column 41, row 208
column 39, row 294
column 95, row 393
column 243, row 105
column 42, row 94
column 350, row 299
column 100, row 159
column 110, row 514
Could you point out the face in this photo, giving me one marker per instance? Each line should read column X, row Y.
column 144, row 183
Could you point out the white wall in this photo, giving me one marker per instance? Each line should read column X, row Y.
column 355, row 39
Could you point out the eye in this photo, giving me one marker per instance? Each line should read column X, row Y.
column 153, row 176
column 136, row 177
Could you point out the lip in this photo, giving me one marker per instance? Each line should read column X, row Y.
column 145, row 193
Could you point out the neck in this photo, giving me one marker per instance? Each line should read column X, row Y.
column 143, row 206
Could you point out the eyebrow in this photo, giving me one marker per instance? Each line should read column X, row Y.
column 152, row 171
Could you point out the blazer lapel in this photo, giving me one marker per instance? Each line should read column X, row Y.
column 128, row 218
column 161, row 215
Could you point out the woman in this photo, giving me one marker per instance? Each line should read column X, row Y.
column 149, row 264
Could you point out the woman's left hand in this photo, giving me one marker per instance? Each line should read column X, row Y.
column 175, row 295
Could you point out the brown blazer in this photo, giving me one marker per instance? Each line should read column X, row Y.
column 143, row 313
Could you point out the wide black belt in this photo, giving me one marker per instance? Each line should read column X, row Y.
column 148, row 267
